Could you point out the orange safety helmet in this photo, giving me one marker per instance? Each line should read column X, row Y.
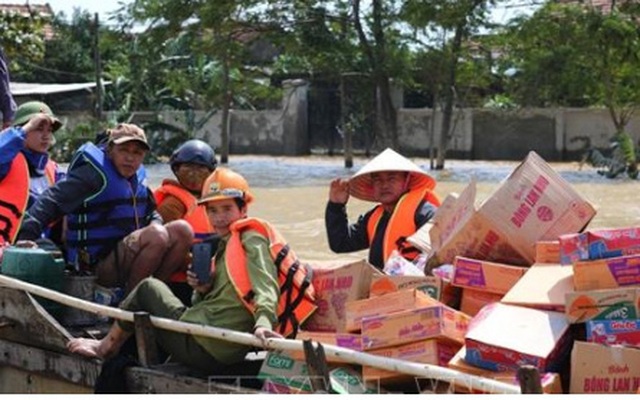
column 222, row 184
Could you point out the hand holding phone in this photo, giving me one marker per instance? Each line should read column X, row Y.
column 201, row 261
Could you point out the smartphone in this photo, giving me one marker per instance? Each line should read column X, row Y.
column 201, row 260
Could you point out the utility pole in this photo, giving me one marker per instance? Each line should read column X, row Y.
column 98, row 67
column 347, row 129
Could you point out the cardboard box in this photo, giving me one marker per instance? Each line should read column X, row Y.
column 345, row 380
column 543, row 288
column 357, row 310
column 335, row 284
column 551, row 382
column 459, row 230
column 422, row 239
column 473, row 300
column 436, row 321
column 504, row 337
column 623, row 303
column 430, row 351
column 484, row 275
column 604, row 369
column 548, row 252
column 607, row 273
column 283, row 375
column 534, row 203
column 599, row 243
column 347, row 340
column 384, row 284
column 624, row 332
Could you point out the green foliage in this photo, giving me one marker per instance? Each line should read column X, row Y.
column 576, row 56
column 22, row 39
column 69, row 140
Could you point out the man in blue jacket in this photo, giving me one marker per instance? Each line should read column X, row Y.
column 113, row 228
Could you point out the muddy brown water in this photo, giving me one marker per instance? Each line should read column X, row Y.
column 292, row 193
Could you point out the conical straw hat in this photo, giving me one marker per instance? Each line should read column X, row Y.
column 361, row 185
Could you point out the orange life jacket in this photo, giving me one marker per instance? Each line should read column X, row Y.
column 14, row 192
column 50, row 172
column 196, row 215
column 401, row 224
column 297, row 296
column 15, row 187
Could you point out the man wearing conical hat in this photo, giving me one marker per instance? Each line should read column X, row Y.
column 405, row 200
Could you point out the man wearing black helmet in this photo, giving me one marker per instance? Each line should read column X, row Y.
column 191, row 163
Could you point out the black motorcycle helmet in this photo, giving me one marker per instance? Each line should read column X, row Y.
column 196, row 152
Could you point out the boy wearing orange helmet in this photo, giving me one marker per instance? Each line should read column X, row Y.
column 242, row 291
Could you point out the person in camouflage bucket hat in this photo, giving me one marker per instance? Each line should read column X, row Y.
column 30, row 109
column 26, row 170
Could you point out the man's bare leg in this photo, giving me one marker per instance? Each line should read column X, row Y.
column 104, row 348
column 162, row 251
column 175, row 256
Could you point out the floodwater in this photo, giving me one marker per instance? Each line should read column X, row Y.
column 291, row 193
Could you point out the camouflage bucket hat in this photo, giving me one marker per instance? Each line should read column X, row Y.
column 30, row 109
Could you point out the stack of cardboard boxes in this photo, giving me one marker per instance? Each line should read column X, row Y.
column 505, row 257
column 336, row 284
column 526, row 277
column 605, row 306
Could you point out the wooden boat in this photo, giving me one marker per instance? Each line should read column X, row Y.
column 34, row 359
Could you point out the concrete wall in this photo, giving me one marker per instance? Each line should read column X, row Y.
column 556, row 134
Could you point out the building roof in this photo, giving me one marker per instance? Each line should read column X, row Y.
column 27, row 10
column 26, row 89
column 601, row 5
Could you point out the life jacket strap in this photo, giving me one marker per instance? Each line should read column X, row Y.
column 288, row 314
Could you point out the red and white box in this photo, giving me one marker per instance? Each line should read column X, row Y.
column 624, row 332
column 599, row 243
column 504, row 337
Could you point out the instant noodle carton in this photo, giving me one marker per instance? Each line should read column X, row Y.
column 357, row 310
column 599, row 243
column 607, row 273
column 337, row 283
column 625, row 332
column 349, row 341
column 384, row 284
column 484, row 275
column 622, row 303
column 430, row 322
column 550, row 381
column 504, row 337
column 542, row 287
column 534, row 203
column 430, row 351
column 604, row 369
column 283, row 375
column 548, row 252
column 473, row 300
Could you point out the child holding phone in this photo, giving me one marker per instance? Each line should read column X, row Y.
column 242, row 292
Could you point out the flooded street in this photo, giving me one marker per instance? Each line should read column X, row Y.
column 291, row 192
